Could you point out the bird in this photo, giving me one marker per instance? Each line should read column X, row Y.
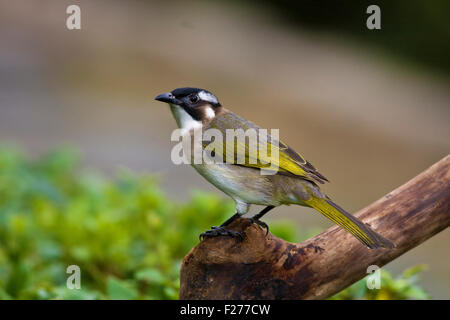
column 293, row 181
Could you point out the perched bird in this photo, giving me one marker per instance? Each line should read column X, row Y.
column 294, row 182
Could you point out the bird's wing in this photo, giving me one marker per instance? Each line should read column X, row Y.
column 261, row 153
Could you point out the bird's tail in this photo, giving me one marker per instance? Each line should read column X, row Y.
column 347, row 221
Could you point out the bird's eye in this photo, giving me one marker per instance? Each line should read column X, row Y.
column 193, row 98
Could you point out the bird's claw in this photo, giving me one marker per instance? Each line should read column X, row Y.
column 260, row 223
column 220, row 231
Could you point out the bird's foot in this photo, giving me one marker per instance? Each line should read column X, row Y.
column 260, row 223
column 220, row 231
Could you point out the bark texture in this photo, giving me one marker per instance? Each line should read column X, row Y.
column 266, row 267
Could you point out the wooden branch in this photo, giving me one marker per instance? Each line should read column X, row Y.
column 266, row 267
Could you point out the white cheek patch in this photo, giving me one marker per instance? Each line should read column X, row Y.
column 209, row 112
column 184, row 119
column 206, row 96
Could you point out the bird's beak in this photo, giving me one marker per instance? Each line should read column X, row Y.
column 167, row 97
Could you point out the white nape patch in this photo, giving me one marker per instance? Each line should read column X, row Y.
column 184, row 119
column 209, row 112
column 206, row 96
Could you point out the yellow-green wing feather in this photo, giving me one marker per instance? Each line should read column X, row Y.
column 263, row 155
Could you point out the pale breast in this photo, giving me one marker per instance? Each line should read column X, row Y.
column 240, row 183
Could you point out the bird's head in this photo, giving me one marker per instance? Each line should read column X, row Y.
column 191, row 106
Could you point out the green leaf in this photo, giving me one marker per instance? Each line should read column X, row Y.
column 415, row 292
column 151, row 276
column 63, row 293
column 120, row 290
column 410, row 272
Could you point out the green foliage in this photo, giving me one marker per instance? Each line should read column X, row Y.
column 126, row 236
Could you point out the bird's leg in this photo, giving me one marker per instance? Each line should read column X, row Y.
column 230, row 220
column 256, row 217
column 221, row 230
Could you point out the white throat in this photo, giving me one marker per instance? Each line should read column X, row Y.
column 184, row 119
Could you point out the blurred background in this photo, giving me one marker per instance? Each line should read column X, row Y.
column 369, row 108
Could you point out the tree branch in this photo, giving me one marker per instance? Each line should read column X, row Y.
column 266, row 267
